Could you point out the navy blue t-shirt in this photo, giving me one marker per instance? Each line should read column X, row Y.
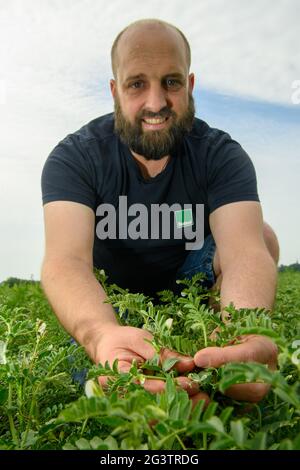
column 92, row 166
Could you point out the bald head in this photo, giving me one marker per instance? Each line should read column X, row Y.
column 134, row 35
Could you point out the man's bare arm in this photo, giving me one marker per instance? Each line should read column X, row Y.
column 67, row 273
column 249, row 274
column 249, row 277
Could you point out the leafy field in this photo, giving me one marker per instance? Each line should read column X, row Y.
column 43, row 405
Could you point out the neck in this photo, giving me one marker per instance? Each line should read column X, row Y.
column 150, row 168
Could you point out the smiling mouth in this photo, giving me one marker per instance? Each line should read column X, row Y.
column 154, row 123
column 155, row 120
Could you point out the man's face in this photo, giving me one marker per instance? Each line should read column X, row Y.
column 154, row 106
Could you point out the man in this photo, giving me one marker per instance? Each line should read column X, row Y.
column 153, row 151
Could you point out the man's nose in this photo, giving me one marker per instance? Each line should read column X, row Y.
column 156, row 98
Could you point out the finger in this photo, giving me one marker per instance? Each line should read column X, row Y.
column 185, row 363
column 154, row 385
column 158, row 386
column 141, row 346
column 103, row 381
column 200, row 396
column 123, row 368
column 191, row 387
column 254, row 348
column 253, row 392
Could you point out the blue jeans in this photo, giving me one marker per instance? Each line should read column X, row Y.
column 198, row 261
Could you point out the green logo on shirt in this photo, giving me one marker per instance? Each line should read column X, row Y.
column 184, row 218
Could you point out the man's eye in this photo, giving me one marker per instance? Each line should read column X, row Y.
column 136, row 85
column 172, row 83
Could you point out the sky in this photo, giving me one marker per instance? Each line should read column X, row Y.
column 54, row 78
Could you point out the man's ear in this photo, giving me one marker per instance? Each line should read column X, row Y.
column 113, row 87
column 191, row 82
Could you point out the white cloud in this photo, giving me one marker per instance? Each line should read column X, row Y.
column 246, row 48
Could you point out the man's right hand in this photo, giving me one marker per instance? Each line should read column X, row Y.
column 127, row 344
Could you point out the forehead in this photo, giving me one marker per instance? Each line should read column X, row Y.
column 151, row 50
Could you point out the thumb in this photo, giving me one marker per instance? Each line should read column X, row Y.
column 216, row 356
column 138, row 340
column 254, row 348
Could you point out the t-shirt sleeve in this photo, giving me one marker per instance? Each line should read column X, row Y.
column 68, row 174
column 231, row 175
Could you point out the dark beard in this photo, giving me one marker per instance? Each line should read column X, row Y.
column 154, row 145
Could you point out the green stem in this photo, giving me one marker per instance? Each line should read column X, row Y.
column 205, row 440
column 172, row 434
column 155, row 377
column 49, row 379
column 53, row 367
column 204, row 333
column 20, row 403
column 83, row 426
column 32, row 404
column 29, row 421
column 10, row 417
column 259, row 415
column 180, row 442
column 34, row 356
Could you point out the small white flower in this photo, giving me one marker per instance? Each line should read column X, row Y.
column 3, row 352
column 41, row 327
column 141, row 379
column 92, row 389
column 168, row 323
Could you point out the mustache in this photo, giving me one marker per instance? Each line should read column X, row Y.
column 163, row 113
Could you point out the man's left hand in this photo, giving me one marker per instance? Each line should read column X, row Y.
column 251, row 348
